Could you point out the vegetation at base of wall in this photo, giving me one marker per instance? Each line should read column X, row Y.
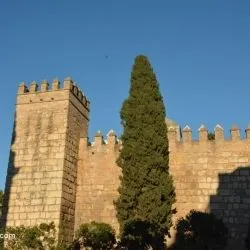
column 200, row 230
column 138, row 234
column 96, row 236
column 41, row 237
column 146, row 191
column 247, row 240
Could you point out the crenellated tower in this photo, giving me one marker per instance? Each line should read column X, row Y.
column 42, row 171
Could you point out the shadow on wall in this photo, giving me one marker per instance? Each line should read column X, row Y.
column 232, row 204
column 11, row 172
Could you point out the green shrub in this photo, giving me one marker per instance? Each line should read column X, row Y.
column 201, row 231
column 98, row 236
column 139, row 234
column 38, row 237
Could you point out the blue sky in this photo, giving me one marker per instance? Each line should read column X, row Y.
column 200, row 51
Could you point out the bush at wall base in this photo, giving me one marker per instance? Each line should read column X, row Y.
column 39, row 237
column 94, row 235
column 198, row 231
column 143, row 235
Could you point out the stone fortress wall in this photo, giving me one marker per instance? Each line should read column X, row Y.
column 56, row 174
column 209, row 175
column 97, row 180
column 213, row 176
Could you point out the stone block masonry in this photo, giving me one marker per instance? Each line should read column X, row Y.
column 213, row 176
column 209, row 176
column 41, row 179
column 55, row 174
column 98, row 180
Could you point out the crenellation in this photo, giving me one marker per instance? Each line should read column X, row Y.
column 172, row 138
column 203, row 133
column 45, row 94
column 55, row 85
column 247, row 131
column 235, row 133
column 87, row 103
column 33, row 87
column 187, row 134
column 111, row 138
column 101, row 143
column 80, row 95
column 219, row 133
column 172, row 134
column 98, row 140
column 44, row 86
column 68, row 83
column 75, row 89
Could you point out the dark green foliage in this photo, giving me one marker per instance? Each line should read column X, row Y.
column 37, row 237
column 1, row 202
column 1, row 197
column 247, row 241
column 75, row 245
column 138, row 234
column 1, row 239
column 98, row 236
column 211, row 136
column 201, row 231
column 31, row 238
column 146, row 190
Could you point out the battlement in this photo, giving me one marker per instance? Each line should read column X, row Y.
column 58, row 175
column 187, row 136
column 45, row 90
column 99, row 141
column 174, row 137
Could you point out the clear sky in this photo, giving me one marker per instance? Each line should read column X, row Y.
column 200, row 51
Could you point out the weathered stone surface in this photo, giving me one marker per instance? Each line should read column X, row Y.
column 97, row 183
column 43, row 158
column 55, row 174
column 214, row 169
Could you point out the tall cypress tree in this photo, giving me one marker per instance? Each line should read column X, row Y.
column 146, row 190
